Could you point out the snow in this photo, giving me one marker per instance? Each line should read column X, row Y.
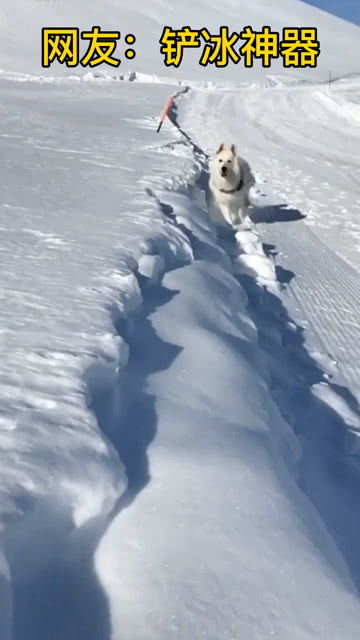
column 179, row 420
column 21, row 38
column 306, row 212
column 208, row 549
column 251, row 259
column 152, row 268
column 69, row 276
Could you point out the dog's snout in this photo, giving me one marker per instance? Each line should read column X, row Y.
column 223, row 171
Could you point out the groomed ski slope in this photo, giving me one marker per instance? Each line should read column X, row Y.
column 179, row 411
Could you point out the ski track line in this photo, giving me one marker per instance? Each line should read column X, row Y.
column 325, row 291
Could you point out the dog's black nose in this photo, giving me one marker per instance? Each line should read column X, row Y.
column 223, row 171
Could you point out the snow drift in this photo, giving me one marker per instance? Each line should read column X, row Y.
column 21, row 38
column 148, row 478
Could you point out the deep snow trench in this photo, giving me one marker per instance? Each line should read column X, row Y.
column 207, row 371
column 204, row 399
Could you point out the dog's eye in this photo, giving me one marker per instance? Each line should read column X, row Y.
column 220, row 161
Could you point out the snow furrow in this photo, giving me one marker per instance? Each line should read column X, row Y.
column 309, row 333
column 195, row 420
column 71, row 287
column 325, row 292
column 179, row 420
column 192, row 418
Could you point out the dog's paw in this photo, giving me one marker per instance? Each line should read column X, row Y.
column 244, row 225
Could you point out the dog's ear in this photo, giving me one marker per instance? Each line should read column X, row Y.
column 233, row 149
column 220, row 148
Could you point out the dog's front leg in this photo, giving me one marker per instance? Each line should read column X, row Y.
column 236, row 217
column 246, row 221
column 226, row 214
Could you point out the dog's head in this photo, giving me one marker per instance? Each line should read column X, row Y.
column 225, row 160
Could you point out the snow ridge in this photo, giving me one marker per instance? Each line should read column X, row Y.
column 237, row 344
column 54, row 521
column 305, row 383
column 62, row 477
column 278, row 357
column 67, row 574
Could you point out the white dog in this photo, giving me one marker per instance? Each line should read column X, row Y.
column 230, row 182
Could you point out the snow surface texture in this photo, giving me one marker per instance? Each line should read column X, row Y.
column 222, row 513
column 21, row 37
column 68, row 279
column 179, row 422
column 309, row 329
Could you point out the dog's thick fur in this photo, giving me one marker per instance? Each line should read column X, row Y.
column 229, row 185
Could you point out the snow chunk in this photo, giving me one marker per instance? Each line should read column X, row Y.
column 326, row 394
column 256, row 266
column 113, row 349
column 249, row 242
column 152, row 268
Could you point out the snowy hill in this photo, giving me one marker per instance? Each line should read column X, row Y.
column 179, row 427
column 21, row 36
